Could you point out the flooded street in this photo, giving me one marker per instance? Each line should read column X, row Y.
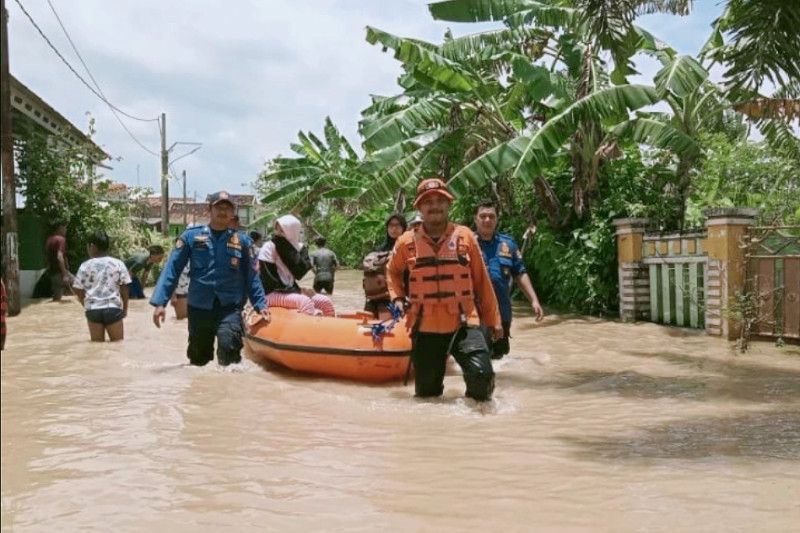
column 595, row 425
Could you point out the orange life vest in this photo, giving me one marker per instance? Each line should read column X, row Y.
column 440, row 278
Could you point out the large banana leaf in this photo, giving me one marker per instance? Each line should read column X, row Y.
column 528, row 156
column 648, row 43
column 387, row 130
column 290, row 169
column 401, row 166
column 343, row 192
column 681, row 76
column 478, row 10
column 425, row 58
column 317, row 142
column 488, row 45
column 490, row 165
column 542, row 14
column 516, row 13
column 660, row 135
column 388, row 40
column 285, row 190
column 332, row 136
column 449, row 74
column 308, row 148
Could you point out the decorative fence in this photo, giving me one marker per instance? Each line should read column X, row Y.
column 690, row 279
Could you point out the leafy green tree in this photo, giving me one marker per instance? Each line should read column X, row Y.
column 506, row 105
column 321, row 180
column 743, row 172
column 539, row 113
column 58, row 182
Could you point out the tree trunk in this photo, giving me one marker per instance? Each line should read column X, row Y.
column 547, row 197
column 684, row 182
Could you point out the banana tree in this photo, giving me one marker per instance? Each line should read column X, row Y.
column 696, row 106
column 324, row 176
column 458, row 102
column 566, row 70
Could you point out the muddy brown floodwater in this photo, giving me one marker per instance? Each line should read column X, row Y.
column 595, row 426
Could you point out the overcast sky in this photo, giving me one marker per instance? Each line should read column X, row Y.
column 242, row 77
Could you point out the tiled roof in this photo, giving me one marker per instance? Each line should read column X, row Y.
column 242, row 199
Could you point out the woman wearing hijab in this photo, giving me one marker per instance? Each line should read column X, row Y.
column 282, row 261
column 374, row 266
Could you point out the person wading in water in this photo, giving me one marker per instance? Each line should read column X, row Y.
column 504, row 262
column 221, row 272
column 449, row 296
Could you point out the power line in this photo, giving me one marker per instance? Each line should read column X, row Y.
column 89, row 72
column 100, row 96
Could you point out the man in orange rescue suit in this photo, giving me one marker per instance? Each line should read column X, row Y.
column 449, row 296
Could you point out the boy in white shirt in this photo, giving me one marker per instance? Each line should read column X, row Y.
column 101, row 285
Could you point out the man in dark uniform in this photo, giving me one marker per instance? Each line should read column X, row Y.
column 504, row 262
column 221, row 272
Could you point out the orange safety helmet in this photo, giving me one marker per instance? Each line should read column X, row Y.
column 432, row 186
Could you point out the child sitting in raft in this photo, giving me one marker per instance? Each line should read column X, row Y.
column 282, row 261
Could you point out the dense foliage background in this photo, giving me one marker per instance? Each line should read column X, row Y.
column 59, row 184
column 540, row 116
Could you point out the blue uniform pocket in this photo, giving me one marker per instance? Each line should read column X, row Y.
column 200, row 257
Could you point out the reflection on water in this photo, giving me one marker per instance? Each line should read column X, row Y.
column 595, row 425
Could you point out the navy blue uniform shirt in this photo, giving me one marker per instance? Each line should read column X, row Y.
column 504, row 262
column 221, row 267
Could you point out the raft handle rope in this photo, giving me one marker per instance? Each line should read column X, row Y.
column 382, row 328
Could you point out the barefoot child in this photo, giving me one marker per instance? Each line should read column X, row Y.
column 101, row 285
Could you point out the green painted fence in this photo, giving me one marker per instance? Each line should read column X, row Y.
column 677, row 268
column 677, row 292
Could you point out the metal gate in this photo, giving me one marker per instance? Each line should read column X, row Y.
column 773, row 272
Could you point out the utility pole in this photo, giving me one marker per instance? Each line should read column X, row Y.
column 184, row 198
column 9, row 231
column 164, row 177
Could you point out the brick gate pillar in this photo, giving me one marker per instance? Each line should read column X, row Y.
column 634, row 277
column 725, row 245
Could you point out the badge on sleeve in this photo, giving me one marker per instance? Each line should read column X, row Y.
column 505, row 251
column 178, row 244
column 233, row 241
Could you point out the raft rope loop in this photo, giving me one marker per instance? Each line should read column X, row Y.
column 382, row 328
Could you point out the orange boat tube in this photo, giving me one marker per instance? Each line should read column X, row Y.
column 341, row 346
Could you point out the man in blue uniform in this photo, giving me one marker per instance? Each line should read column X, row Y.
column 504, row 262
column 221, row 274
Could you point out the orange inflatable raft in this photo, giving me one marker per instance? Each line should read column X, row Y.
column 341, row 346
